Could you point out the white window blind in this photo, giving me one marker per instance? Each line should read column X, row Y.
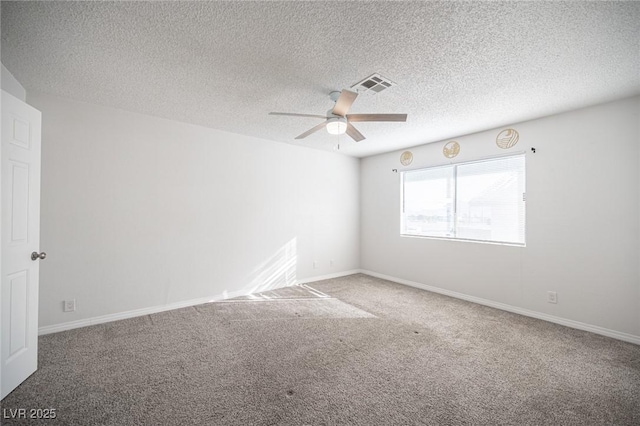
column 482, row 201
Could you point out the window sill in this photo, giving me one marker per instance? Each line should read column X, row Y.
column 463, row 240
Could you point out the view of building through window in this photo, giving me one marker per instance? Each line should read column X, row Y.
column 482, row 201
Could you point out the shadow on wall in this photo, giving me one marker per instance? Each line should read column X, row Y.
column 277, row 271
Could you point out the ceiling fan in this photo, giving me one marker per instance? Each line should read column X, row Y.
column 337, row 121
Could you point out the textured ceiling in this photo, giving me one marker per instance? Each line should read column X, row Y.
column 459, row 67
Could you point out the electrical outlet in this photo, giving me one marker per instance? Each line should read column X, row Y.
column 69, row 305
column 552, row 297
column 331, row 263
column 315, row 264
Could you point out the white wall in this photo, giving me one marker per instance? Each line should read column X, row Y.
column 140, row 212
column 11, row 85
column 583, row 191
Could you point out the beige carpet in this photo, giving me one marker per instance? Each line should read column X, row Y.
column 349, row 351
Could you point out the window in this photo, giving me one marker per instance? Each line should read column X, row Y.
column 478, row 201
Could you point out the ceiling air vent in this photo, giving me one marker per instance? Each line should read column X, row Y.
column 373, row 84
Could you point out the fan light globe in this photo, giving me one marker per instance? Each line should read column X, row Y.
column 337, row 126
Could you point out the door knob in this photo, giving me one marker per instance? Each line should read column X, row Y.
column 35, row 255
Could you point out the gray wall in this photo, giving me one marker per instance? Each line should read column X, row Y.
column 141, row 212
column 11, row 85
column 582, row 221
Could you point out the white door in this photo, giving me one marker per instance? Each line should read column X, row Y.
column 20, row 236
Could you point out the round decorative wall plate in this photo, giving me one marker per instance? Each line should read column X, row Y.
column 406, row 158
column 451, row 149
column 507, row 138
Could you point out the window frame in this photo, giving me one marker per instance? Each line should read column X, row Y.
column 455, row 200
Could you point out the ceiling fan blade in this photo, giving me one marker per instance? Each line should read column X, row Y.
column 377, row 117
column 292, row 114
column 313, row 130
column 354, row 133
column 344, row 102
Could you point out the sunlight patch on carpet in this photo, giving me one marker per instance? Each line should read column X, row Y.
column 289, row 309
column 296, row 292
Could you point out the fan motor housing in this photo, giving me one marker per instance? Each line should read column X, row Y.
column 334, row 95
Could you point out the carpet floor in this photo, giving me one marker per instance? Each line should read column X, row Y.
column 355, row 350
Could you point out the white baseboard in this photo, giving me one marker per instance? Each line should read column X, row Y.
column 526, row 312
column 48, row 329
column 329, row 276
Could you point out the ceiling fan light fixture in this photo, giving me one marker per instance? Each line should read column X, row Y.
column 337, row 126
column 338, row 122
